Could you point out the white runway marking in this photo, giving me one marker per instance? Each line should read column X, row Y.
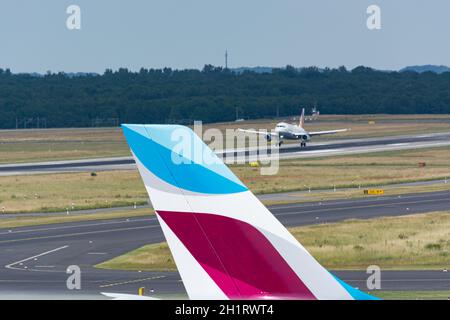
column 44, row 266
column 76, row 226
column 131, row 281
column 318, row 151
column 20, row 262
column 398, row 144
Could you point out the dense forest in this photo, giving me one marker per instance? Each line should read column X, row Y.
column 213, row 94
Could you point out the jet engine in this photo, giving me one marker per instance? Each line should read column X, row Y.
column 305, row 137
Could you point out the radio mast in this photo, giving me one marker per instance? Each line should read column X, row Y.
column 226, row 59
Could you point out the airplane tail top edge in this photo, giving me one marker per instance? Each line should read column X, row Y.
column 224, row 241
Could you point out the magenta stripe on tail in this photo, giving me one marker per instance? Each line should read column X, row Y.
column 236, row 255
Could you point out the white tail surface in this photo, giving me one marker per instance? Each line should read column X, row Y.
column 225, row 242
column 301, row 122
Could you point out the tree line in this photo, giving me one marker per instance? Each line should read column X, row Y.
column 214, row 94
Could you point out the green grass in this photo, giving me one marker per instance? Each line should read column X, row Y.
column 401, row 243
column 355, row 193
column 412, row 295
column 350, row 171
column 152, row 257
column 413, row 242
column 61, row 144
column 73, row 191
column 51, row 151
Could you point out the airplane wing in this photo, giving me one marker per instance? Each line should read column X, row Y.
column 321, row 133
column 264, row 133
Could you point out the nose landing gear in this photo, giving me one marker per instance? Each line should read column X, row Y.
column 303, row 144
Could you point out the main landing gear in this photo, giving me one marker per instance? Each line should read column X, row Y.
column 280, row 143
column 303, row 145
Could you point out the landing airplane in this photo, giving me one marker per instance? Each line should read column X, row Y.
column 225, row 242
column 289, row 131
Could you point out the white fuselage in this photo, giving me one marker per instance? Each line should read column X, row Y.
column 291, row 132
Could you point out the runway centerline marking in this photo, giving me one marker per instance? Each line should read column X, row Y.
column 44, row 266
column 10, row 266
column 131, row 281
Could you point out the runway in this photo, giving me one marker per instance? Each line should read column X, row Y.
column 314, row 149
column 33, row 260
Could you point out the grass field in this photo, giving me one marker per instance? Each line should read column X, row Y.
column 356, row 193
column 61, row 144
column 400, row 243
column 75, row 191
column 347, row 171
column 413, row 295
column 72, row 191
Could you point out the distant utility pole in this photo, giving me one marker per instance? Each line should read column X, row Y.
column 226, row 59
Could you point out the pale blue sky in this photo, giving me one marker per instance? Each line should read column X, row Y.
column 191, row 33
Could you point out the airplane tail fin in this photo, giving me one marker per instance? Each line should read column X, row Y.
column 225, row 242
column 301, row 122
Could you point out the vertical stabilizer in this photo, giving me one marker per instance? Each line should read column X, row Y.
column 225, row 242
column 301, row 122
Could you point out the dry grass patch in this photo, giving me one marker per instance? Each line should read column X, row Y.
column 75, row 191
column 356, row 193
column 150, row 257
column 350, row 171
column 60, row 144
column 408, row 242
